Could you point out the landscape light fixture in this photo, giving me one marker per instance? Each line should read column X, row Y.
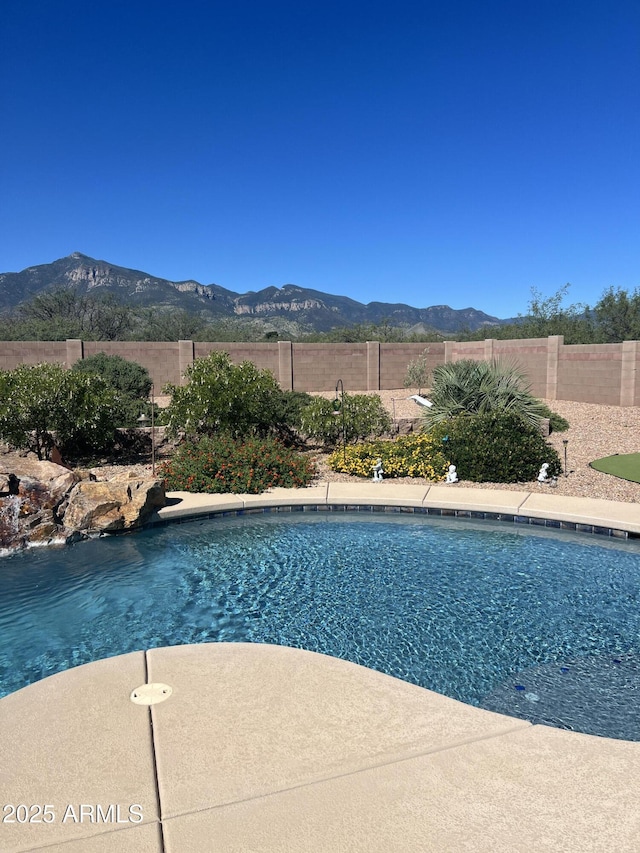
column 565, row 441
column 338, row 408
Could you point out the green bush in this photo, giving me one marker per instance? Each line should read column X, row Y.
column 127, row 376
column 224, row 397
column 289, row 406
column 498, row 447
column 556, row 422
column 364, row 416
column 130, row 380
column 223, row 464
column 408, row 456
column 44, row 404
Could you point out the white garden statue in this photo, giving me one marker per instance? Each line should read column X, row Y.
column 452, row 475
column 377, row 471
column 543, row 476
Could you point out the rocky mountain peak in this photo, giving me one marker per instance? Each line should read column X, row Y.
column 289, row 306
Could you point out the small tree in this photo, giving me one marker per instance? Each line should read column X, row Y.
column 44, row 404
column 417, row 375
column 54, row 315
column 550, row 316
column 618, row 315
column 224, row 397
column 172, row 325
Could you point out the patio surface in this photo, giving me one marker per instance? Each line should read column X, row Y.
column 267, row 748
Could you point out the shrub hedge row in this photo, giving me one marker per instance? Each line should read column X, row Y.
column 498, row 447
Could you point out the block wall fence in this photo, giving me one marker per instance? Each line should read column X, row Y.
column 587, row 373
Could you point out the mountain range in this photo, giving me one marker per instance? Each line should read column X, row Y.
column 289, row 308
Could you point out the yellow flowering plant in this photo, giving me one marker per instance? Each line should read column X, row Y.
column 408, row 456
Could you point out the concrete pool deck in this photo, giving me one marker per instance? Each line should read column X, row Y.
column 267, row 748
column 535, row 507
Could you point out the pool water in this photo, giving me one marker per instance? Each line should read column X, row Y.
column 544, row 626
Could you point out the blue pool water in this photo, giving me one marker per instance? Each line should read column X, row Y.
column 543, row 626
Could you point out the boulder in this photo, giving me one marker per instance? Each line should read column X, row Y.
column 45, row 503
column 30, row 495
column 112, row 505
column 45, row 487
column 408, row 425
column 146, row 497
column 45, row 531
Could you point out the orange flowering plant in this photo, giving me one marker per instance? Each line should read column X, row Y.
column 221, row 463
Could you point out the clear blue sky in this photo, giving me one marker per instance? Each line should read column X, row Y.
column 423, row 152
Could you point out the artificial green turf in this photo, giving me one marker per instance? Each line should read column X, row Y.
column 623, row 465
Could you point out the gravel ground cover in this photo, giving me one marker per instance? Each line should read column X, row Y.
column 595, row 431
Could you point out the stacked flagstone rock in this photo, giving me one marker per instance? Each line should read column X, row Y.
column 45, row 503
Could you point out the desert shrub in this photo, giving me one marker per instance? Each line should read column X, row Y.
column 291, row 405
column 127, row 376
column 478, row 387
column 130, row 380
column 221, row 463
column 289, row 408
column 223, row 397
column 497, row 447
column 364, row 416
column 417, row 375
column 44, row 404
column 556, row 422
column 408, row 456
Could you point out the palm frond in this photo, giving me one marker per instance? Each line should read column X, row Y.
column 478, row 387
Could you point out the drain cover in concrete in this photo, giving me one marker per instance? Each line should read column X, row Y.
column 150, row 694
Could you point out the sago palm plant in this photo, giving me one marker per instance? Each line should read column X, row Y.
column 478, row 387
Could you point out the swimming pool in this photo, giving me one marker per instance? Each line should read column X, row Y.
column 540, row 625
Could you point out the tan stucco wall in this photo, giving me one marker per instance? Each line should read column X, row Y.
column 603, row 373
